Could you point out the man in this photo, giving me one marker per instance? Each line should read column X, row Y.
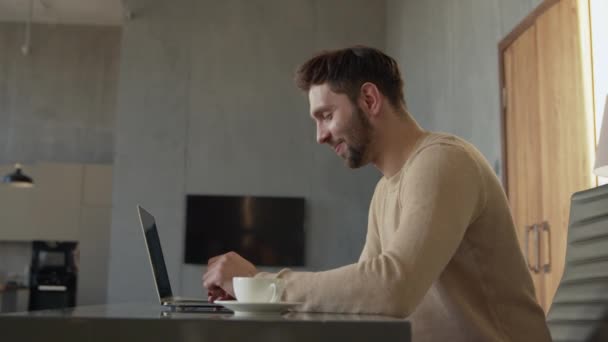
column 441, row 247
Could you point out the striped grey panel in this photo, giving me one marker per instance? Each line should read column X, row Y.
column 580, row 308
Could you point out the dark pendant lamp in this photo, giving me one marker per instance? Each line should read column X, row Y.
column 18, row 179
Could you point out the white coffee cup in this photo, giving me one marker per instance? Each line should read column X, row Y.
column 258, row 290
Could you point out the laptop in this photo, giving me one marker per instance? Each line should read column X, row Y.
column 161, row 276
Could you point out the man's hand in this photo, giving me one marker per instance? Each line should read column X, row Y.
column 220, row 271
column 216, row 293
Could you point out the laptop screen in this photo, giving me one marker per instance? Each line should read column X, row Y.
column 157, row 260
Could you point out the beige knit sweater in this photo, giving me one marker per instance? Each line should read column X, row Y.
column 441, row 251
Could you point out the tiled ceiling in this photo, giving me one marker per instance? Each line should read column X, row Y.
column 87, row 12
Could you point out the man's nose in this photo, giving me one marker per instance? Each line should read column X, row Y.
column 322, row 135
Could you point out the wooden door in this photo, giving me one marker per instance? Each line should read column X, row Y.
column 548, row 138
column 521, row 82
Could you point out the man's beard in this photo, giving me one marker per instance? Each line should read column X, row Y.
column 359, row 132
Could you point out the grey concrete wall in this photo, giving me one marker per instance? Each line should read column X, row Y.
column 207, row 104
column 57, row 103
column 448, row 51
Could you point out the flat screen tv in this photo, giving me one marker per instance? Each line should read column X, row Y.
column 268, row 231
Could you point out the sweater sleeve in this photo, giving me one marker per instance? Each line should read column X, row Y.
column 440, row 195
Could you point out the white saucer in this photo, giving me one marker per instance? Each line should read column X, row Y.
column 242, row 308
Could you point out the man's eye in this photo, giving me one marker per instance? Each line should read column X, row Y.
column 328, row 116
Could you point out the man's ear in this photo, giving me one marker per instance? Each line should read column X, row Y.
column 370, row 99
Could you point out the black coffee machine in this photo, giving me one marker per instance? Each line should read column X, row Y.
column 53, row 275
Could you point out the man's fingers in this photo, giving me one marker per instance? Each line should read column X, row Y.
column 215, row 293
column 214, row 281
column 222, row 268
column 209, row 284
column 213, row 296
column 206, row 275
column 209, row 273
column 213, row 276
column 212, row 299
column 211, row 280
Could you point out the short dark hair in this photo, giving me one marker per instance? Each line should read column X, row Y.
column 345, row 70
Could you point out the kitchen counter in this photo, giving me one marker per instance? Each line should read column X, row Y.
column 13, row 298
column 4, row 288
column 150, row 322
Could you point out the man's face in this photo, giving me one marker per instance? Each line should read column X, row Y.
column 341, row 124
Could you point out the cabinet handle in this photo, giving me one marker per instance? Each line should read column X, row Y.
column 547, row 264
column 533, row 228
